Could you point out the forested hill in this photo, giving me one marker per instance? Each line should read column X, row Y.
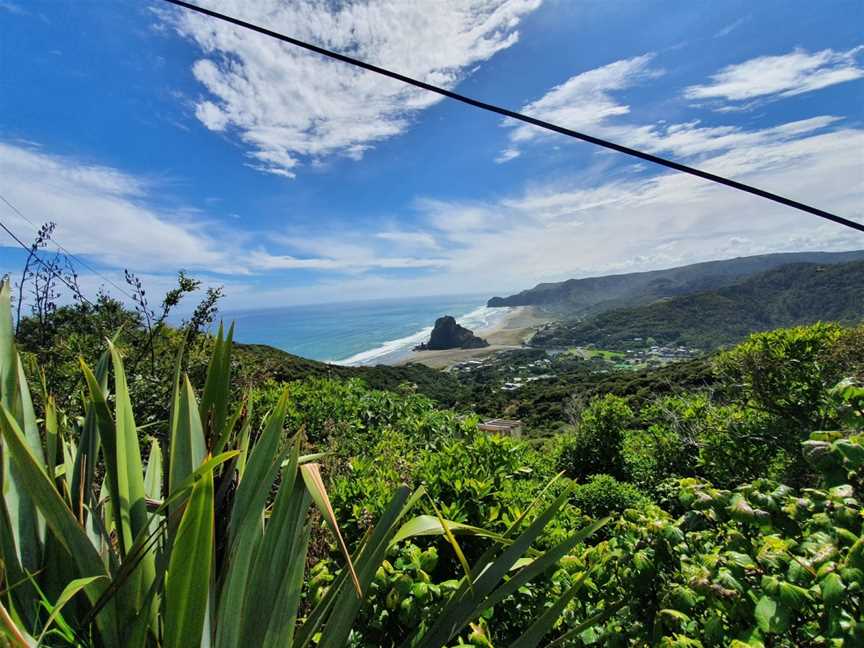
column 264, row 362
column 786, row 296
column 582, row 297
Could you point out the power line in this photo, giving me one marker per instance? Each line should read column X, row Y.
column 648, row 157
column 63, row 249
column 45, row 265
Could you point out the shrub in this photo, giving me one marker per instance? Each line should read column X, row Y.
column 668, row 445
column 738, row 444
column 788, row 372
column 595, row 444
column 603, row 494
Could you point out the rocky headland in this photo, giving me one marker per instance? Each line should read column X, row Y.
column 447, row 334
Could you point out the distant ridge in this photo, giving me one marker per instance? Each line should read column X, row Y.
column 593, row 295
column 791, row 295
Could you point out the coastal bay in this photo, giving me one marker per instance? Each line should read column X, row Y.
column 509, row 331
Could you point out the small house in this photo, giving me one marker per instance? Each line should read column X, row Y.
column 506, row 427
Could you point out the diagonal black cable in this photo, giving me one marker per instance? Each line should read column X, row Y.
column 648, row 157
column 47, row 266
column 63, row 249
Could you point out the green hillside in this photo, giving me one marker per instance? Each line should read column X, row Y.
column 263, row 362
column 593, row 295
column 787, row 296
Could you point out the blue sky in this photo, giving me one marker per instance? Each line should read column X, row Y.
column 160, row 140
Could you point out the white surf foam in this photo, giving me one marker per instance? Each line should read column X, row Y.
column 478, row 320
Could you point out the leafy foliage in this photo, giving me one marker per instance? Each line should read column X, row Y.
column 207, row 555
column 595, row 445
column 724, row 528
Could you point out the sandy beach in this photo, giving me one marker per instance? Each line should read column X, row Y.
column 509, row 333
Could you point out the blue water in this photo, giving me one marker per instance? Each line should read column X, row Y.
column 357, row 333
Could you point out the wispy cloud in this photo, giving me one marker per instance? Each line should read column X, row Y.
column 583, row 101
column 508, row 154
column 103, row 213
column 289, row 107
column 266, row 261
column 735, row 24
column 110, row 217
column 12, row 8
column 573, row 227
column 780, row 76
column 410, row 239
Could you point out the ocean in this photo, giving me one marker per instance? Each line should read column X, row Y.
column 358, row 333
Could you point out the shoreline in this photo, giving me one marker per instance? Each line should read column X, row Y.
column 509, row 333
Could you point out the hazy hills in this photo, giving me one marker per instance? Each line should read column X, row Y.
column 593, row 295
column 792, row 294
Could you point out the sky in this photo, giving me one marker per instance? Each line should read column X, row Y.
column 159, row 140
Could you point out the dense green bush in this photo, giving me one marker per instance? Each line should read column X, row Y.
column 603, row 494
column 668, row 441
column 594, row 446
column 788, row 372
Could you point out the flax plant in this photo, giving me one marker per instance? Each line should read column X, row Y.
column 205, row 542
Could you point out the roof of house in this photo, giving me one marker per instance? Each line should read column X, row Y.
column 500, row 424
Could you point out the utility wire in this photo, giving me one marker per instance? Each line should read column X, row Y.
column 45, row 265
column 648, row 157
column 63, row 249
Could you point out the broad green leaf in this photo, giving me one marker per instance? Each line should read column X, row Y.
column 153, row 476
column 428, row 525
column 187, row 582
column 832, row 588
column 59, row 518
column 771, row 615
column 22, row 521
column 188, row 448
column 250, row 498
column 794, row 596
column 214, row 400
column 276, row 577
column 87, row 455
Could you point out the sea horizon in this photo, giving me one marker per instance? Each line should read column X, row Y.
column 358, row 332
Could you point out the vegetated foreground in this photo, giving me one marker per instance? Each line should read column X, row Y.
column 210, row 497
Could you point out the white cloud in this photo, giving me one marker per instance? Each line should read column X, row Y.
column 289, row 106
column 584, row 100
column 671, row 219
column 107, row 216
column 409, row 239
column 728, row 29
column 508, row 154
column 12, row 8
column 102, row 213
column 559, row 230
column 266, row 261
column 785, row 75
